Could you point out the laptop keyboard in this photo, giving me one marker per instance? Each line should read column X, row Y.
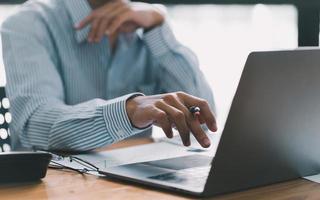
column 183, row 162
column 194, row 177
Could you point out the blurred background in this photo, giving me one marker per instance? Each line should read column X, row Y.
column 222, row 35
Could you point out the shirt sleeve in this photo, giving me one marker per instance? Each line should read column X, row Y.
column 179, row 65
column 41, row 118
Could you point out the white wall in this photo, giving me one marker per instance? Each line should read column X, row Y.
column 4, row 11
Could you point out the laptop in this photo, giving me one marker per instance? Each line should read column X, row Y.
column 272, row 134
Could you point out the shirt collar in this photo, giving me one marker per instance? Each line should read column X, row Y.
column 78, row 10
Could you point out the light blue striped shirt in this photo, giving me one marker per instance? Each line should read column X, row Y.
column 68, row 94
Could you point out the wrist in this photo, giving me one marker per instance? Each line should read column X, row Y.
column 131, row 106
column 131, row 109
column 135, row 114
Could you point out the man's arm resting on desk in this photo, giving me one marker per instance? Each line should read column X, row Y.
column 41, row 118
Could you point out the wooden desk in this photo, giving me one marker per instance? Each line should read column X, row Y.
column 70, row 185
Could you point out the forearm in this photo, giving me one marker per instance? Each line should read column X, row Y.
column 86, row 126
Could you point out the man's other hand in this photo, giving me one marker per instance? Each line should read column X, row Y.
column 171, row 110
column 121, row 16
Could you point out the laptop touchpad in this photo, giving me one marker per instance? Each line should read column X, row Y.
column 181, row 162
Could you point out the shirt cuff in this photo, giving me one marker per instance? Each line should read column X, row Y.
column 160, row 40
column 117, row 120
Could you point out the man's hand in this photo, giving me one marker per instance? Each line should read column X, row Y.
column 168, row 110
column 121, row 15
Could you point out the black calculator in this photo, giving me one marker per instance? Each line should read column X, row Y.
column 17, row 166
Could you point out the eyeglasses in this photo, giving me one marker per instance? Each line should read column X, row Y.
column 85, row 165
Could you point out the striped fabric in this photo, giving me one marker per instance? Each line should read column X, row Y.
column 68, row 94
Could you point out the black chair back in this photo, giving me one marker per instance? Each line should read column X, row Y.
column 5, row 119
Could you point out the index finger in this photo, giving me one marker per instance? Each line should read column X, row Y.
column 199, row 133
column 205, row 110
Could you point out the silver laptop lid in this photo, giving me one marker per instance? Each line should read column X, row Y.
column 272, row 133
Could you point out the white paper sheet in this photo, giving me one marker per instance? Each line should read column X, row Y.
column 314, row 178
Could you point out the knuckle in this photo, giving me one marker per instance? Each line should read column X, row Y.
column 169, row 97
column 180, row 93
column 159, row 103
column 179, row 115
column 161, row 116
column 203, row 103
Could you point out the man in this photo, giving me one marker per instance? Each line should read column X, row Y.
column 82, row 74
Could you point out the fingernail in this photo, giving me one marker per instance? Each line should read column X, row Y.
column 214, row 127
column 206, row 142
